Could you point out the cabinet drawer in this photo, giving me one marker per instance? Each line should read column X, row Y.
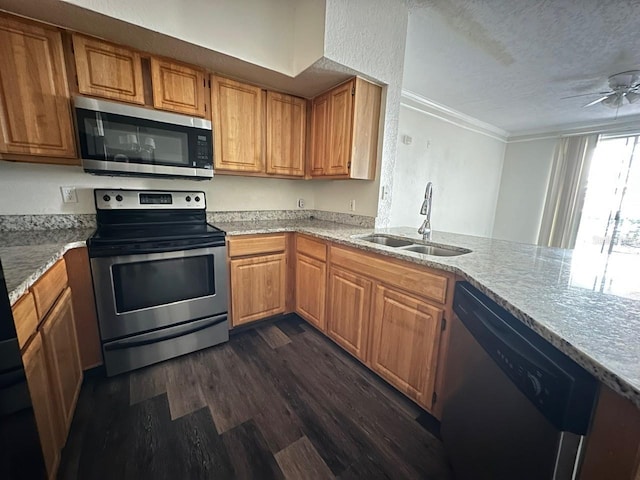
column 49, row 287
column 312, row 248
column 253, row 245
column 420, row 281
column 25, row 318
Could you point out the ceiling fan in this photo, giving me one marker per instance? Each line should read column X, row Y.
column 625, row 85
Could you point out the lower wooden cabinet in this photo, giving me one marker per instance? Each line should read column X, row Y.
column 311, row 277
column 63, row 359
column 259, row 287
column 404, row 346
column 43, row 398
column 349, row 307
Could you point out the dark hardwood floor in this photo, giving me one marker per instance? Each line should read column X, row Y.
column 278, row 401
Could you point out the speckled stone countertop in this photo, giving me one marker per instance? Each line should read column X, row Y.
column 561, row 294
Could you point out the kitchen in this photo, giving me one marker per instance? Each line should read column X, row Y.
column 275, row 247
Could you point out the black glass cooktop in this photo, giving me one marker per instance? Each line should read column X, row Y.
column 154, row 233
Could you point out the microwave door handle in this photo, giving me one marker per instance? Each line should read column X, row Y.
column 99, row 124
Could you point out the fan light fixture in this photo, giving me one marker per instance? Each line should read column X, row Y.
column 625, row 85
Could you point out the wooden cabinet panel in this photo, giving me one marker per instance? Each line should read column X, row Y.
column 63, row 358
column 421, row 281
column 258, row 286
column 84, row 307
column 319, row 135
column 43, row 399
column 404, row 348
column 366, row 125
column 48, row 287
column 348, row 311
column 311, row 248
column 35, row 112
column 238, row 119
column 25, row 318
column 340, row 121
column 107, row 70
column 311, row 281
column 178, row 88
column 241, row 245
column 286, row 129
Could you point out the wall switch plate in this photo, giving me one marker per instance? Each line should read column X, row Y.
column 69, row 194
column 301, row 203
column 352, row 205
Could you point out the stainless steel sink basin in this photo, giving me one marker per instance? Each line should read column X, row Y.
column 385, row 240
column 436, row 251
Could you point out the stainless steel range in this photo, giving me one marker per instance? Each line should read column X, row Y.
column 159, row 276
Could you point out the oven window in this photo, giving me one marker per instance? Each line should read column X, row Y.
column 149, row 284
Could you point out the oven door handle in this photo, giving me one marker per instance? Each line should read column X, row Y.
column 165, row 333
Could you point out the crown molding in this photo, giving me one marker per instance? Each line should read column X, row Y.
column 421, row 104
column 629, row 124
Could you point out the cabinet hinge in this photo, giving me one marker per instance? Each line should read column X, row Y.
column 434, row 398
column 209, row 81
column 353, row 91
column 443, row 325
column 348, row 164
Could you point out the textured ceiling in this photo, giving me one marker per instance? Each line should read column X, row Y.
column 511, row 62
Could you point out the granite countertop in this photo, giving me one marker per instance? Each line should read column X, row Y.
column 586, row 304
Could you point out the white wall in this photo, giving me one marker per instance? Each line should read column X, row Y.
column 257, row 31
column 35, row 189
column 464, row 166
column 368, row 36
column 523, row 188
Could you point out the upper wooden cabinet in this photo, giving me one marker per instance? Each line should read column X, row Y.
column 35, row 113
column 286, row 131
column 107, row 70
column 344, row 131
column 238, row 125
column 178, row 88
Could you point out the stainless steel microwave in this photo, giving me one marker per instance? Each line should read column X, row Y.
column 118, row 139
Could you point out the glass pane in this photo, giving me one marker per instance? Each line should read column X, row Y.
column 148, row 284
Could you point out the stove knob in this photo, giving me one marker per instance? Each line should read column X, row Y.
column 106, row 198
column 197, row 199
column 188, row 199
column 119, row 198
column 535, row 384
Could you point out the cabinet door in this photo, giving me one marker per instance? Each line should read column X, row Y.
column 107, row 70
column 35, row 113
column 286, row 126
column 406, row 335
column 45, row 410
column 319, row 135
column 63, row 357
column 177, row 88
column 238, row 120
column 348, row 311
column 340, row 122
column 311, row 278
column 258, row 287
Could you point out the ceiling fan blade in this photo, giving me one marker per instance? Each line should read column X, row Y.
column 587, row 94
column 596, row 101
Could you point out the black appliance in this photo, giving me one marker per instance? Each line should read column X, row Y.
column 119, row 139
column 159, row 275
column 20, row 451
column 514, row 405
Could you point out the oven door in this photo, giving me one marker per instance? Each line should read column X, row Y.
column 143, row 292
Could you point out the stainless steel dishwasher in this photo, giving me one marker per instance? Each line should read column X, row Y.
column 515, row 406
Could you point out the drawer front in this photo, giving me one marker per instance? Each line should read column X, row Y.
column 49, row 287
column 311, row 248
column 25, row 318
column 254, row 245
column 420, row 281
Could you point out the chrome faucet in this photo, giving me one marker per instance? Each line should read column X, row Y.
column 425, row 228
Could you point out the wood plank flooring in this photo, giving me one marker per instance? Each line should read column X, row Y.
column 280, row 401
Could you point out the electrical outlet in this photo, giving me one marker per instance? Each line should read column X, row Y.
column 352, row 205
column 301, row 203
column 69, row 194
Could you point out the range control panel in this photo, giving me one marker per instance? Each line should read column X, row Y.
column 149, row 199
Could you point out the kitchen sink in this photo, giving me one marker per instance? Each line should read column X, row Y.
column 385, row 240
column 436, row 251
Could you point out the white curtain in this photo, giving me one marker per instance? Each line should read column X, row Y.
column 566, row 191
